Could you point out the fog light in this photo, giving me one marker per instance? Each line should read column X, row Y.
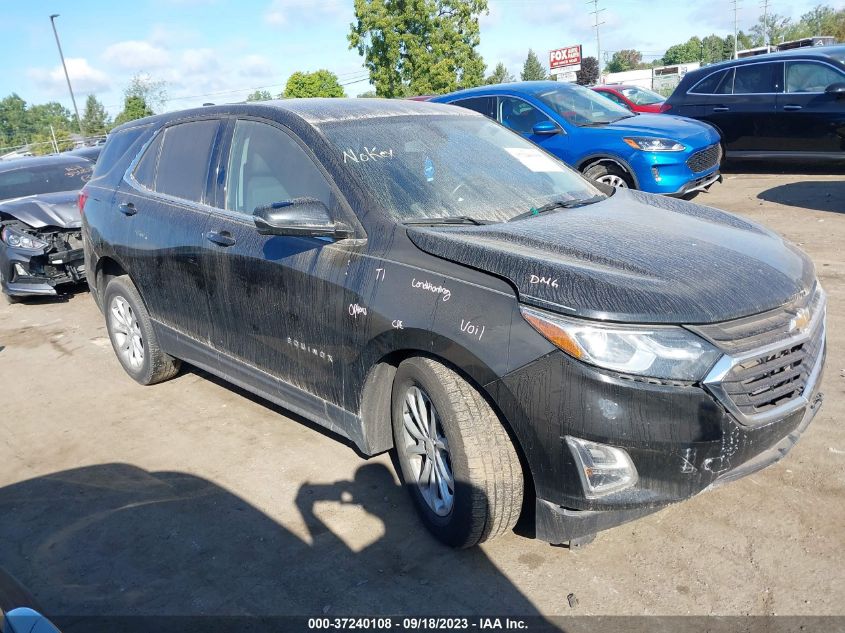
column 656, row 173
column 603, row 469
column 21, row 271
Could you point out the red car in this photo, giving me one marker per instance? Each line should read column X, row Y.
column 634, row 98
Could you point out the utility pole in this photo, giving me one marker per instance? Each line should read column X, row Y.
column 596, row 11
column 67, row 77
column 766, row 39
column 735, row 4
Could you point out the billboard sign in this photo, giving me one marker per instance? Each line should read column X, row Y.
column 564, row 58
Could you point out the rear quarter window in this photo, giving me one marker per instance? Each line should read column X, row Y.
column 116, row 155
column 717, row 83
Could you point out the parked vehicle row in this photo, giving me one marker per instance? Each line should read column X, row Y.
column 606, row 142
column 418, row 278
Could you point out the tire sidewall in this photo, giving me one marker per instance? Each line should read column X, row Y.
column 118, row 287
column 453, row 528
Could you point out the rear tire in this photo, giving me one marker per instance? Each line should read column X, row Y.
column 466, row 443
column 132, row 336
column 609, row 174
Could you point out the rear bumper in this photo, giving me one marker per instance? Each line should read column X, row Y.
column 556, row 524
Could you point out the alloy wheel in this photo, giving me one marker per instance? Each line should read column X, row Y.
column 127, row 332
column 427, row 451
column 613, row 180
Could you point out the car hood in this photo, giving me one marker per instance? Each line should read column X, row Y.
column 636, row 258
column 46, row 209
column 664, row 126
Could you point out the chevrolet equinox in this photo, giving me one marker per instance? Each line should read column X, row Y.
column 414, row 276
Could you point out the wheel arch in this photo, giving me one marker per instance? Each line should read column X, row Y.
column 106, row 269
column 598, row 159
column 377, row 389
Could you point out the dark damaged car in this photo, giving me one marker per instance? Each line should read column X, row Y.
column 416, row 277
column 40, row 225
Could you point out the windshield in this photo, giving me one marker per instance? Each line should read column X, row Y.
column 27, row 181
column 641, row 96
column 582, row 107
column 420, row 167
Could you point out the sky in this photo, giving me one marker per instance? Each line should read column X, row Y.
column 221, row 50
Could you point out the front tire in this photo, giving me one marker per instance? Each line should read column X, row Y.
column 609, row 175
column 455, row 457
column 132, row 337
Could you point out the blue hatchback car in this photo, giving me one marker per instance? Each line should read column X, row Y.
column 658, row 153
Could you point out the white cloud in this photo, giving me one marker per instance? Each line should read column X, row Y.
column 84, row 78
column 255, row 66
column 198, row 60
column 137, row 55
column 285, row 12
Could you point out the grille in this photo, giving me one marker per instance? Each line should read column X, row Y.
column 765, row 382
column 762, row 378
column 705, row 159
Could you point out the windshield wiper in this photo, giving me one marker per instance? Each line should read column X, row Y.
column 558, row 204
column 456, row 219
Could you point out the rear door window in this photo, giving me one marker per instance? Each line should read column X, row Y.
column 182, row 169
column 482, row 105
column 754, row 79
column 810, row 76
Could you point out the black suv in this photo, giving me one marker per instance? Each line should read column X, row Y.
column 415, row 276
column 789, row 104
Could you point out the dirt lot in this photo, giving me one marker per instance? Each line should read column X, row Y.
column 192, row 497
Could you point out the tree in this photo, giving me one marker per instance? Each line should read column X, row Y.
column 532, row 69
column 626, row 59
column 134, row 107
column 370, row 94
column 690, row 51
column 771, row 29
column 42, row 142
column 320, row 83
column 260, row 95
column 419, row 47
column 15, row 127
column 589, row 73
column 152, row 92
column 500, row 75
column 95, row 121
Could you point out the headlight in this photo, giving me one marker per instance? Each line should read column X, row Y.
column 19, row 239
column 648, row 144
column 667, row 352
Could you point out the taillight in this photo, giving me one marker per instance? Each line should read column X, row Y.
column 665, row 107
column 81, row 200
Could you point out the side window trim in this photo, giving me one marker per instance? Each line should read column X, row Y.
column 782, row 90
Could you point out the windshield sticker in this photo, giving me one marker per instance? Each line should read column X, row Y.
column 534, row 159
column 427, row 285
column 369, row 154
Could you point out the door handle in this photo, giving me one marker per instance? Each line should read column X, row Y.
column 721, row 109
column 792, row 106
column 127, row 208
column 221, row 238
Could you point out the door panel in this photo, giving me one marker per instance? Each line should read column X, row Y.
column 164, row 249
column 808, row 119
column 276, row 301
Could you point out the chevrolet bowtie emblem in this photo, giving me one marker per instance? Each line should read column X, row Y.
column 800, row 321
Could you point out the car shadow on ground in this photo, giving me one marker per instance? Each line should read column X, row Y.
column 117, row 540
column 819, row 195
column 782, row 167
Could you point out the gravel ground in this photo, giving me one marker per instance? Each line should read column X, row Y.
column 193, row 497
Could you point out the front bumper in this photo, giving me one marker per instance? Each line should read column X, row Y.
column 679, row 437
column 668, row 173
column 25, row 272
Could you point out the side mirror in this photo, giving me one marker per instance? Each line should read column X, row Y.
column 545, row 128
column 305, row 217
column 837, row 89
